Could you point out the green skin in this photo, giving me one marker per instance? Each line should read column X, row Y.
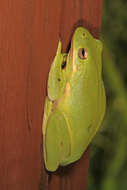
column 75, row 105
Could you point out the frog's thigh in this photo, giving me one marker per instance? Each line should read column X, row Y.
column 57, row 140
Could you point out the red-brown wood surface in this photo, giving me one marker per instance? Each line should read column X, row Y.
column 29, row 33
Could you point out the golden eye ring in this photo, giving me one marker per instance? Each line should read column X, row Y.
column 82, row 53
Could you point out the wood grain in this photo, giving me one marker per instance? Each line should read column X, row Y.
column 29, row 33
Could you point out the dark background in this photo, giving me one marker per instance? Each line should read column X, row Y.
column 108, row 160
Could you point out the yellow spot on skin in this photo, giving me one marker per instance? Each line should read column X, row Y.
column 74, row 64
column 74, row 68
column 67, row 90
column 66, row 93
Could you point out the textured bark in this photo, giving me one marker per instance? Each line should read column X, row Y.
column 29, row 33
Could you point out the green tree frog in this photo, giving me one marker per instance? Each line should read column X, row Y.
column 75, row 102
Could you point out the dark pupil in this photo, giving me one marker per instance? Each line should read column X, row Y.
column 63, row 65
column 83, row 52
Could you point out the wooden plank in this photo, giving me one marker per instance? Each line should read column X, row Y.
column 29, row 33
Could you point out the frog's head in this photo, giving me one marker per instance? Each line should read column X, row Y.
column 85, row 51
column 84, row 54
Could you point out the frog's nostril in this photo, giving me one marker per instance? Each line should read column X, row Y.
column 63, row 65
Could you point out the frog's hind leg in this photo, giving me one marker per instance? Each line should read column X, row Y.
column 57, row 141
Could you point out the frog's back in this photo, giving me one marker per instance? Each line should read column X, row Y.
column 84, row 122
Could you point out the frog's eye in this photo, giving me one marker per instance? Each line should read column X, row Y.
column 82, row 53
